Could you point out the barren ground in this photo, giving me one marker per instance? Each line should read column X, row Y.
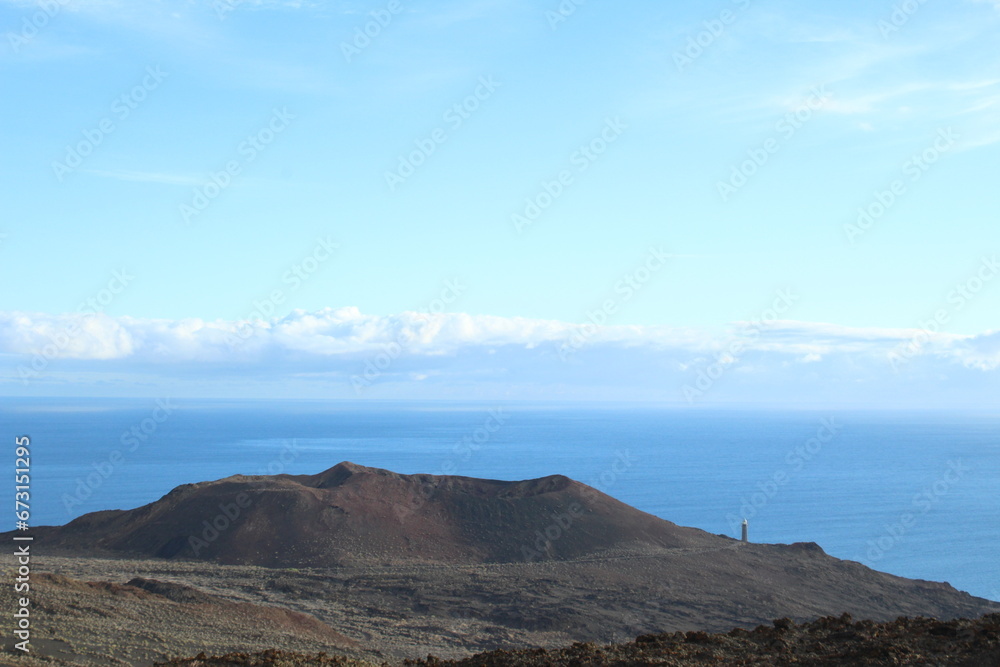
column 392, row 612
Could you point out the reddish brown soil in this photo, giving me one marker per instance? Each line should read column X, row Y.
column 352, row 514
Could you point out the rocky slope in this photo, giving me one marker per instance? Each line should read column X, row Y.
column 105, row 623
column 829, row 641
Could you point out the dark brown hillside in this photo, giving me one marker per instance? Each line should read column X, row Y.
column 354, row 514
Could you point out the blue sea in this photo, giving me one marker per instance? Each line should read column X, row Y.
column 912, row 493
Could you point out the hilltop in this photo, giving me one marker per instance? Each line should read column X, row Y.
column 351, row 514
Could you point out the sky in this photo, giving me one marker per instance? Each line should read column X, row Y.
column 729, row 202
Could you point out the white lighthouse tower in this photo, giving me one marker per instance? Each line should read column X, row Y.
column 746, row 531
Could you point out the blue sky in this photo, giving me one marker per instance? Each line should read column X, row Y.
column 484, row 183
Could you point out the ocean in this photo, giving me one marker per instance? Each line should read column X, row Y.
column 911, row 493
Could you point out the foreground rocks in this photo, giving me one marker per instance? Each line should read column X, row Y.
column 134, row 612
column 827, row 641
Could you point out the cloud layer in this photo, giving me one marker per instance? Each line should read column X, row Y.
column 346, row 353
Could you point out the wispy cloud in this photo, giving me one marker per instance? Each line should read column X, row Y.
column 70, row 5
column 149, row 177
column 193, row 31
column 869, row 102
column 461, row 12
column 812, row 35
column 348, row 331
column 995, row 3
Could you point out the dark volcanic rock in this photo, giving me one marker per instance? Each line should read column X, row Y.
column 171, row 591
column 831, row 641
